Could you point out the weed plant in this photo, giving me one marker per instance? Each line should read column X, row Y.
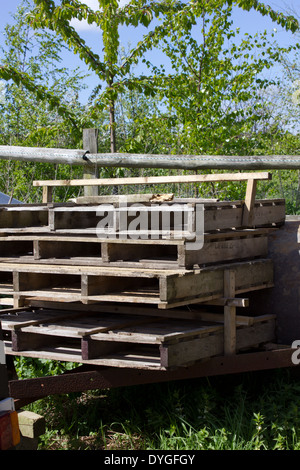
column 250, row 411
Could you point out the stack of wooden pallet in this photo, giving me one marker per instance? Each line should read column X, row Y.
column 147, row 298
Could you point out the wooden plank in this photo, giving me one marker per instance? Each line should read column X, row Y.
column 118, row 326
column 47, row 194
column 90, row 144
column 22, row 341
column 249, row 203
column 219, row 318
column 227, row 250
column 209, row 281
column 137, row 360
column 188, row 352
column 7, row 301
column 50, row 294
column 193, row 313
column 260, row 332
column 43, row 318
column 117, row 199
column 157, row 179
column 229, row 314
column 12, row 266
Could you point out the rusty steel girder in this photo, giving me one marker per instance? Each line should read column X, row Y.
column 86, row 378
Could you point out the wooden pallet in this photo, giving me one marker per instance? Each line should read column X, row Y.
column 92, row 251
column 126, row 340
column 72, row 219
column 165, row 288
column 174, row 219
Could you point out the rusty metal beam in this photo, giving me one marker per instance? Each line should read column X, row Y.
column 100, row 378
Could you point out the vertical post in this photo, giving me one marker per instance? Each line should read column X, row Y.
column 19, row 301
column 90, row 143
column 4, row 393
column 229, row 314
column 47, row 194
column 249, row 203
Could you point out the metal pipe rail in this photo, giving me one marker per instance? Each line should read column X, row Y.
column 130, row 160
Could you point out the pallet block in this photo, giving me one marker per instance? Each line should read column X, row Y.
column 126, row 340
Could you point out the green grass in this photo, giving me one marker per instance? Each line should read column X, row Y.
column 251, row 411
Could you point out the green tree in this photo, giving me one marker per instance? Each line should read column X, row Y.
column 113, row 77
column 25, row 119
column 215, row 90
column 192, row 81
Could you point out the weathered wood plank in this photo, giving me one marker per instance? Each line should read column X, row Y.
column 188, row 352
column 229, row 314
column 209, row 281
column 156, row 179
column 90, row 144
column 216, row 251
column 249, row 203
column 22, row 341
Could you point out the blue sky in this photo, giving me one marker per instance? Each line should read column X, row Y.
column 250, row 22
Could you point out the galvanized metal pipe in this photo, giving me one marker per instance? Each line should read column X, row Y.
column 129, row 160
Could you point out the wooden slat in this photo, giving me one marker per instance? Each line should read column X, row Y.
column 156, row 179
column 118, row 326
column 90, row 144
column 249, row 203
column 188, row 352
column 229, row 314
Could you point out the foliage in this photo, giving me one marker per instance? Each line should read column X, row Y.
column 40, row 93
column 215, row 100
column 32, row 61
column 109, row 18
column 251, row 411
